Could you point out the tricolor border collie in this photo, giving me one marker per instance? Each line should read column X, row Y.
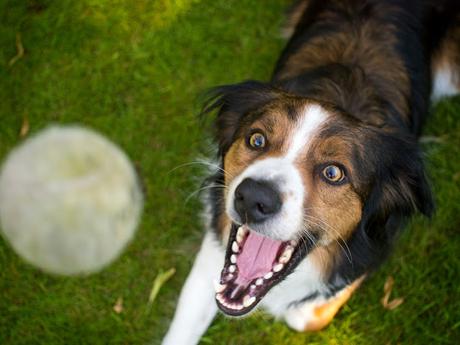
column 319, row 168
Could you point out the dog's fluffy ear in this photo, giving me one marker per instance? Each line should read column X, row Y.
column 400, row 188
column 401, row 185
column 232, row 103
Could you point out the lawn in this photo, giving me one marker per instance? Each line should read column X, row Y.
column 134, row 71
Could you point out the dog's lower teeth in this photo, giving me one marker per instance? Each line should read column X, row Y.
column 278, row 267
column 259, row 281
column 235, row 247
column 268, row 275
column 232, row 268
column 247, row 301
column 233, row 259
column 228, row 277
column 219, row 287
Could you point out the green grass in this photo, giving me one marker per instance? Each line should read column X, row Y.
column 133, row 70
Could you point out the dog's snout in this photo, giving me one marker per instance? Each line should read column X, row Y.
column 256, row 201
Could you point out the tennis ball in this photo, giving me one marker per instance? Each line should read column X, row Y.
column 70, row 200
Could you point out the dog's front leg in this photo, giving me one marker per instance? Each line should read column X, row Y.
column 197, row 307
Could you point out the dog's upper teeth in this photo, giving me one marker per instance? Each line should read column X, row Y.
column 232, row 268
column 259, row 281
column 233, row 259
column 241, row 233
column 287, row 253
column 235, row 247
column 293, row 243
column 268, row 275
column 278, row 267
column 247, row 301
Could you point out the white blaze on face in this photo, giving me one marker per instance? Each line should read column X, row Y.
column 284, row 173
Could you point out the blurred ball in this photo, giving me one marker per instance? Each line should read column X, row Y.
column 70, row 200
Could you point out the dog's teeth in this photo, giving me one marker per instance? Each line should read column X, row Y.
column 268, row 275
column 235, row 247
column 247, row 301
column 219, row 287
column 233, row 259
column 220, row 298
column 232, row 268
column 278, row 267
column 286, row 255
column 240, row 234
column 228, row 277
column 252, row 287
column 293, row 243
column 259, row 281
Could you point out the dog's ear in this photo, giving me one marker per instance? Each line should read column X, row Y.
column 401, row 185
column 399, row 189
column 232, row 103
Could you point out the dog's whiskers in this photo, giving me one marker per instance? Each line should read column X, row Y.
column 327, row 227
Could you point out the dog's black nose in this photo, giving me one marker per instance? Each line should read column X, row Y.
column 256, row 201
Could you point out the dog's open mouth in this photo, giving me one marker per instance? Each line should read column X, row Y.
column 253, row 265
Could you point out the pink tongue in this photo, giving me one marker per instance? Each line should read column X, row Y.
column 256, row 257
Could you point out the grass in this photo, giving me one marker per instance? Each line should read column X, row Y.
column 133, row 70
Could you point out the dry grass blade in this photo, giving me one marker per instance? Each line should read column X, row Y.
column 159, row 281
column 25, row 127
column 393, row 304
column 19, row 50
column 118, row 307
column 387, row 289
column 431, row 139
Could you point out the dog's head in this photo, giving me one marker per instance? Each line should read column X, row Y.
column 300, row 173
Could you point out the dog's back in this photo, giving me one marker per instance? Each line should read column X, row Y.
column 378, row 60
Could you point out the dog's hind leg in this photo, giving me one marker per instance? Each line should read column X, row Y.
column 197, row 307
column 316, row 314
column 445, row 64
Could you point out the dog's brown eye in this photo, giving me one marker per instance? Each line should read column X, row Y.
column 257, row 140
column 333, row 173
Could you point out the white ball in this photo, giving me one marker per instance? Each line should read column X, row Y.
column 70, row 200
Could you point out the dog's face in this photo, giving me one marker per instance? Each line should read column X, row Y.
column 301, row 174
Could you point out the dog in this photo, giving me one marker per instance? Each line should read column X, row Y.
column 319, row 168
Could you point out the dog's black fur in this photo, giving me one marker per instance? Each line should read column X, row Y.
column 399, row 186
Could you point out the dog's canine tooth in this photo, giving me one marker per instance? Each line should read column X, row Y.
column 278, row 267
column 219, row 287
column 293, row 243
column 240, row 234
column 286, row 255
column 247, row 301
column 233, row 259
column 235, row 247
